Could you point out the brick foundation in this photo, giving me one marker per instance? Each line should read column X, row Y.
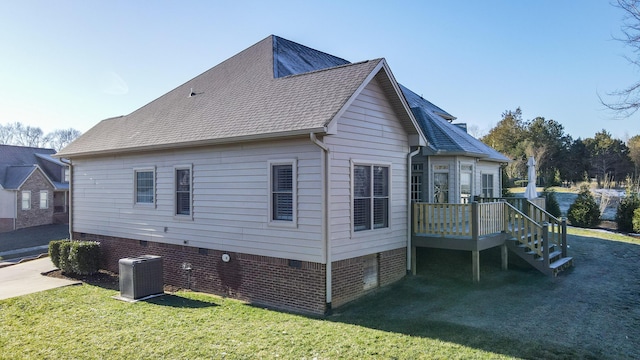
column 6, row 224
column 349, row 275
column 290, row 285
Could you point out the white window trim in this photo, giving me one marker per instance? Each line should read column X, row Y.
column 22, row 200
column 293, row 223
column 471, row 187
column 493, row 183
column 175, row 192
column 360, row 233
column 46, row 198
column 432, row 184
column 135, row 187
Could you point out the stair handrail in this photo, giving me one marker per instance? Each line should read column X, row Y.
column 534, row 229
column 559, row 237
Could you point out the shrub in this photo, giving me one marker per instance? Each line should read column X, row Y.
column 54, row 251
column 584, row 212
column 626, row 212
column 78, row 257
column 636, row 220
column 551, row 203
column 64, row 263
column 84, row 257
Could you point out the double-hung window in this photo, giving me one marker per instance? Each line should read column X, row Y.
column 44, row 199
column 282, row 192
column 26, row 200
column 183, row 188
column 144, row 186
column 370, row 196
column 487, row 185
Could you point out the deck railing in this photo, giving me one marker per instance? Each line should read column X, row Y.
column 525, row 221
column 465, row 220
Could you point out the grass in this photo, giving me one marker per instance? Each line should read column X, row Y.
column 84, row 322
column 437, row 315
column 602, row 234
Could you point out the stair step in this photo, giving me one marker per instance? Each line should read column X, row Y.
column 559, row 264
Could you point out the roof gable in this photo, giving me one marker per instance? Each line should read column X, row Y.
column 18, row 162
column 238, row 100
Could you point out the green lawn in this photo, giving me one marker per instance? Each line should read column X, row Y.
column 81, row 322
column 430, row 316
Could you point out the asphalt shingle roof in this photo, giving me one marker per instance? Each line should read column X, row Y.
column 235, row 100
column 18, row 162
column 275, row 87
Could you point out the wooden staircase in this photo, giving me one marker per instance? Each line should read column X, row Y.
column 538, row 238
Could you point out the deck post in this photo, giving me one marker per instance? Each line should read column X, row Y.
column 545, row 243
column 564, row 236
column 475, row 221
column 413, row 261
column 504, row 252
column 475, row 265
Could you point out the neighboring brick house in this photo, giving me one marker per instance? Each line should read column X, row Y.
column 34, row 188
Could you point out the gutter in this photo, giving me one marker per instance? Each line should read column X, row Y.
column 326, row 233
column 68, row 162
column 409, row 217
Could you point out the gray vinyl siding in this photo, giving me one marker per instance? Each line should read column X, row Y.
column 7, row 204
column 230, row 198
column 368, row 131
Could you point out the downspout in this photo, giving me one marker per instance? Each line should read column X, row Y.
column 15, row 211
column 409, row 217
column 70, row 195
column 326, row 162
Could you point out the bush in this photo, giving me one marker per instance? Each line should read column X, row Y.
column 626, row 212
column 64, row 262
column 636, row 220
column 584, row 212
column 54, row 251
column 77, row 257
column 85, row 257
column 551, row 203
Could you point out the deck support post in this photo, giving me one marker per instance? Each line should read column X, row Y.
column 564, row 237
column 504, row 252
column 413, row 261
column 475, row 265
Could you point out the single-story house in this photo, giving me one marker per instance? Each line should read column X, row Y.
column 282, row 176
column 34, row 188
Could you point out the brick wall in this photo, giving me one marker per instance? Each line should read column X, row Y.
column 279, row 283
column 348, row 275
column 35, row 216
column 275, row 282
column 6, row 224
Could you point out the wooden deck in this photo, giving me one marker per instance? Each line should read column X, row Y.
column 483, row 225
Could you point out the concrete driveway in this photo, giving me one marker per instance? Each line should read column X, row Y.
column 26, row 278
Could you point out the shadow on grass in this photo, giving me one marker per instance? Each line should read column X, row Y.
column 175, row 301
column 442, row 303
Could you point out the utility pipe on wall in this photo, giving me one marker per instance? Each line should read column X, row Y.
column 409, row 217
column 70, row 196
column 326, row 233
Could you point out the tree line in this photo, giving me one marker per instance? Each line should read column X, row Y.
column 24, row 135
column 558, row 156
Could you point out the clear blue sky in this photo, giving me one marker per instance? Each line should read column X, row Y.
column 73, row 63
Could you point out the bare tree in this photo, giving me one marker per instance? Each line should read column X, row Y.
column 628, row 98
column 21, row 135
column 28, row 136
column 6, row 134
column 61, row 138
